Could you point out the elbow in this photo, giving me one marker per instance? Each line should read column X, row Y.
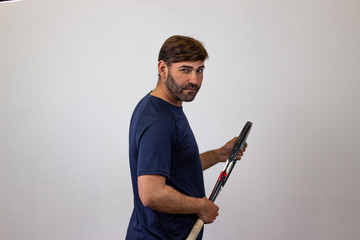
column 148, row 199
column 148, row 195
column 150, row 189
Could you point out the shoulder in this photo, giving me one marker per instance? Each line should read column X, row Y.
column 156, row 109
column 153, row 112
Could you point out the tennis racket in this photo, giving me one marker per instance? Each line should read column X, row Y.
column 224, row 176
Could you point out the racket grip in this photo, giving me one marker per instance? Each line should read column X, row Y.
column 196, row 229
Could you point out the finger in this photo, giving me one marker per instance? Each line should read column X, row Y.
column 233, row 141
column 243, row 149
column 240, row 154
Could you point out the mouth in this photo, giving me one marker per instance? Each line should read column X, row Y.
column 191, row 89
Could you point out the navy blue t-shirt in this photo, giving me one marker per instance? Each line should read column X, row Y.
column 161, row 142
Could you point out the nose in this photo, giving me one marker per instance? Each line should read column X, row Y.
column 195, row 79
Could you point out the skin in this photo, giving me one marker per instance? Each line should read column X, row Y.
column 178, row 83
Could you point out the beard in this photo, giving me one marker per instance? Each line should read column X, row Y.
column 185, row 93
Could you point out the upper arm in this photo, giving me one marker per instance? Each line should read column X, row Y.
column 148, row 186
column 154, row 149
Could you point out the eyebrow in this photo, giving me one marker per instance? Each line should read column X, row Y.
column 191, row 67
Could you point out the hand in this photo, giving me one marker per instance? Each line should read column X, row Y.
column 208, row 211
column 226, row 149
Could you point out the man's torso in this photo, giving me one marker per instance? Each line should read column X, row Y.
column 161, row 142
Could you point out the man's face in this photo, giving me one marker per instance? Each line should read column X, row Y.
column 184, row 80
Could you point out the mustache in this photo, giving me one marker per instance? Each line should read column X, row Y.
column 192, row 86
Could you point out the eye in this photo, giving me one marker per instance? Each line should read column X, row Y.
column 185, row 70
column 200, row 70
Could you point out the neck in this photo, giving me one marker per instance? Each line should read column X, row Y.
column 163, row 93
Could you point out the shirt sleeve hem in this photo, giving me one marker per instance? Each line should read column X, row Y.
column 165, row 174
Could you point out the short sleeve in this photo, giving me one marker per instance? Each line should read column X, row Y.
column 155, row 146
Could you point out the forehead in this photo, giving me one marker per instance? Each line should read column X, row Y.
column 194, row 65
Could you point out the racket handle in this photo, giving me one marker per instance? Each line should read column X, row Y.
column 196, row 229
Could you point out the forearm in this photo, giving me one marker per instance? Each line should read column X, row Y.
column 156, row 194
column 168, row 200
column 164, row 198
column 210, row 158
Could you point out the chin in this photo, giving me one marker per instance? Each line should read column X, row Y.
column 189, row 99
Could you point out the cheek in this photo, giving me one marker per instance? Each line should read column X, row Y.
column 182, row 80
column 200, row 79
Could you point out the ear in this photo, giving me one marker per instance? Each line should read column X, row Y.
column 162, row 69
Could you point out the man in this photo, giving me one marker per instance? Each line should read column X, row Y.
column 166, row 167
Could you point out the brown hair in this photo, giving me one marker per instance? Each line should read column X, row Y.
column 182, row 48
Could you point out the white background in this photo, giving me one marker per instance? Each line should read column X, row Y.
column 72, row 71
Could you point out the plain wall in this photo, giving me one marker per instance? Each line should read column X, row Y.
column 71, row 73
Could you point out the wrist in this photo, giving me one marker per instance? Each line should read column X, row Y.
column 200, row 206
column 221, row 153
